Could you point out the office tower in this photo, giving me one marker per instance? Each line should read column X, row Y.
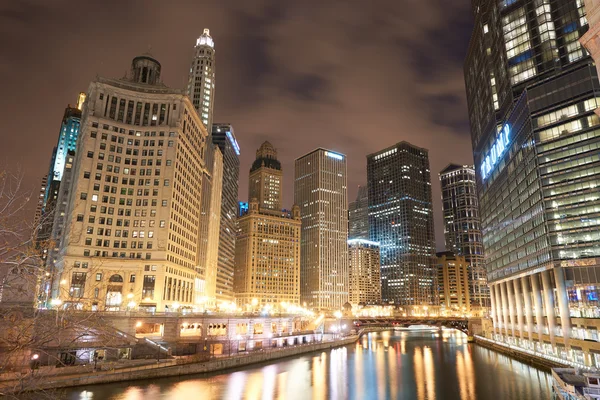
column 364, row 284
column 358, row 215
column 131, row 233
column 267, row 259
column 224, row 138
column 40, row 203
column 401, row 221
column 462, row 228
column 67, row 142
column 201, row 82
column 321, row 193
column 532, row 90
column 59, row 217
column 242, row 208
column 210, row 226
column 265, row 178
column 201, row 90
column 453, row 281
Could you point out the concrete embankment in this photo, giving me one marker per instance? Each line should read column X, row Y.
column 179, row 368
column 533, row 360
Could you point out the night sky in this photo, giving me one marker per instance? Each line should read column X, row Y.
column 350, row 76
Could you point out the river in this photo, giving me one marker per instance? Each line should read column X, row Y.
column 383, row 365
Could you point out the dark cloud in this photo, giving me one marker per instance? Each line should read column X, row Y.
column 353, row 76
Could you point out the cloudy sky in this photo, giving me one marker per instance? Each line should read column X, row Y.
column 351, row 76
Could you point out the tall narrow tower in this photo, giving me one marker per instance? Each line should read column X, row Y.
column 201, row 83
column 265, row 178
column 462, row 227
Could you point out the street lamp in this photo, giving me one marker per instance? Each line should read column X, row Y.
column 254, row 303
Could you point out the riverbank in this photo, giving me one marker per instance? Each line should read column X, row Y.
column 524, row 357
column 171, row 368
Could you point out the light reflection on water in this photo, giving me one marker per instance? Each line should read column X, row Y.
column 385, row 365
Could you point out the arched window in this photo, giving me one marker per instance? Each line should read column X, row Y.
column 116, row 278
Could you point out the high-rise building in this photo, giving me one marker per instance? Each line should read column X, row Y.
column 532, row 90
column 265, row 178
column 364, row 284
column 201, row 82
column 267, row 259
column 358, row 215
column 67, row 142
column 320, row 190
column 401, row 221
column 40, row 203
column 453, row 281
column 131, row 234
column 224, row 138
column 201, row 90
column 462, row 227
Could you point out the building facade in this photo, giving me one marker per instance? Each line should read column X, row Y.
column 364, row 284
column 266, row 176
column 267, row 259
column 131, row 234
column 67, row 143
column 462, row 227
column 358, row 215
column 223, row 137
column 320, row 190
column 532, row 90
column 201, row 82
column 453, row 284
column 401, row 221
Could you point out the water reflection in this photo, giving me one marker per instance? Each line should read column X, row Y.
column 388, row 365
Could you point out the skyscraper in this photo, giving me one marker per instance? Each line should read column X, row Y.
column 224, row 138
column 131, row 236
column 358, row 215
column 462, row 227
column 532, row 90
column 201, row 90
column 364, row 284
column 267, row 250
column 67, row 142
column 320, row 190
column 201, row 82
column 265, row 178
column 401, row 221
column 267, row 259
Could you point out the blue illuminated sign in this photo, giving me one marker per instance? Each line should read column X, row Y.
column 334, row 155
column 234, row 143
column 496, row 152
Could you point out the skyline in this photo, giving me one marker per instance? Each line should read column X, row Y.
column 263, row 87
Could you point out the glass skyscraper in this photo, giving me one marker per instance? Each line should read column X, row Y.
column 532, row 90
column 358, row 215
column 401, row 221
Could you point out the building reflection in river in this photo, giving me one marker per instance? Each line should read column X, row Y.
column 386, row 365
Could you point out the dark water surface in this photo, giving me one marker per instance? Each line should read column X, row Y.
column 384, row 365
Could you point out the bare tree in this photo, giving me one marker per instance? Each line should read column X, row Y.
column 34, row 341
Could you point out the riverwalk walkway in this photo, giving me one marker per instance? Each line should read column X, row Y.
column 53, row 378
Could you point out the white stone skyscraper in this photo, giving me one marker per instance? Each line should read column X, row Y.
column 320, row 190
column 131, row 237
column 201, row 83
